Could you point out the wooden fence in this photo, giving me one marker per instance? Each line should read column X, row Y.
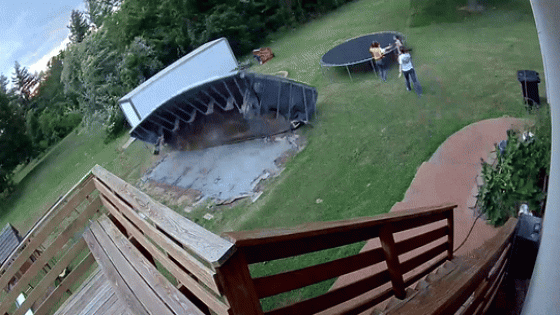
column 205, row 273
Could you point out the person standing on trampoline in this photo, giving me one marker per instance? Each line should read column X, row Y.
column 378, row 54
column 406, row 67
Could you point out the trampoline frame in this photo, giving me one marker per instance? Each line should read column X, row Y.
column 324, row 65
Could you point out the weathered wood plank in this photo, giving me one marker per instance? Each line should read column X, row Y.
column 138, row 286
column 420, row 240
column 411, row 280
column 391, row 256
column 196, row 301
column 499, row 264
column 9, row 242
column 125, row 294
column 34, row 238
column 49, row 253
column 493, row 292
column 452, row 291
column 40, row 289
column 291, row 280
column 80, row 221
column 202, row 242
column 173, row 299
column 120, row 210
column 99, row 304
column 288, row 248
column 362, row 305
column 416, row 261
column 58, row 293
column 209, row 299
column 271, row 244
column 334, row 297
column 118, row 308
column 94, row 297
column 89, row 288
column 266, row 236
column 450, row 226
column 411, row 222
column 481, row 294
column 238, row 286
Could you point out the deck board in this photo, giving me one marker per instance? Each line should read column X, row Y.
column 9, row 241
column 95, row 296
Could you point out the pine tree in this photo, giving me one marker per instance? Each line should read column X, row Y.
column 24, row 84
column 78, row 26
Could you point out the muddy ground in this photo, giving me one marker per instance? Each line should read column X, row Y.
column 219, row 175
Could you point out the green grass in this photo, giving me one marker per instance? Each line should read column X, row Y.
column 42, row 182
column 368, row 138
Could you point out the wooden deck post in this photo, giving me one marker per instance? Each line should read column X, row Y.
column 238, row 286
column 451, row 233
column 393, row 265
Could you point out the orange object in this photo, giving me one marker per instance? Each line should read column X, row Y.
column 263, row 54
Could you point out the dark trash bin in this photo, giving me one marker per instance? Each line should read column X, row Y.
column 529, row 80
column 525, row 246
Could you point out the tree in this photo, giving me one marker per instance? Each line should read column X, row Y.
column 24, row 84
column 15, row 145
column 99, row 10
column 50, row 90
column 78, row 26
column 54, row 114
column 90, row 74
column 3, row 84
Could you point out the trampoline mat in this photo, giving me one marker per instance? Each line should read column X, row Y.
column 356, row 50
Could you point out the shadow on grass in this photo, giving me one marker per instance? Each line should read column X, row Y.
column 427, row 12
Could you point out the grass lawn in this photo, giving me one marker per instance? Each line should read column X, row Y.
column 368, row 138
column 43, row 181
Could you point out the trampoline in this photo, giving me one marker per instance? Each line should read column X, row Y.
column 355, row 51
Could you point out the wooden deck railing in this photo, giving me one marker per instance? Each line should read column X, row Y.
column 213, row 272
column 272, row 244
column 191, row 254
column 186, row 253
column 471, row 287
column 57, row 237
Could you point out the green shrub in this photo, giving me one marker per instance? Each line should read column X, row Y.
column 517, row 177
column 116, row 125
column 426, row 12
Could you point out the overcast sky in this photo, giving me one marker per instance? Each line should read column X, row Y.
column 31, row 31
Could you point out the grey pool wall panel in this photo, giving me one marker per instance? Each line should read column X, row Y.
column 211, row 60
column 247, row 95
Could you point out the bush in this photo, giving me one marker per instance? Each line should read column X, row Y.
column 116, row 125
column 517, row 177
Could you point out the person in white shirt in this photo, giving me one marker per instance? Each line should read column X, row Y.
column 406, row 68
